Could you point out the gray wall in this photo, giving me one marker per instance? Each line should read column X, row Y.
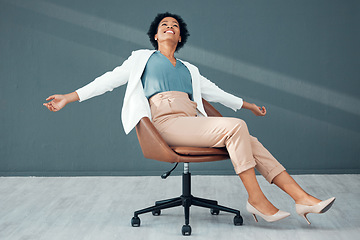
column 298, row 58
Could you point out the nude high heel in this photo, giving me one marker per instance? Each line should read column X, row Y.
column 269, row 218
column 321, row 207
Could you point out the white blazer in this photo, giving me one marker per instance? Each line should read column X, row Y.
column 136, row 105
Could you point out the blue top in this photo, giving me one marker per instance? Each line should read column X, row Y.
column 160, row 75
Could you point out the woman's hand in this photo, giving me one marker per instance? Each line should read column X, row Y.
column 258, row 111
column 59, row 101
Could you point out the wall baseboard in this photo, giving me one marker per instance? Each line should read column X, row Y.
column 158, row 173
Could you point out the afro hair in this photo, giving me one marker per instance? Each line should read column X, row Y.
column 184, row 33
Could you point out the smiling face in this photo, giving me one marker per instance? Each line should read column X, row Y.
column 168, row 30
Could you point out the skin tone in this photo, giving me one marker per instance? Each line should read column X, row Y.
column 167, row 37
column 58, row 101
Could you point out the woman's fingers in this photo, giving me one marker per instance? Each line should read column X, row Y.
column 51, row 97
column 46, row 105
column 263, row 111
column 259, row 111
column 50, row 106
column 54, row 106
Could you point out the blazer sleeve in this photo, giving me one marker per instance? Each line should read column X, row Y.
column 108, row 81
column 212, row 93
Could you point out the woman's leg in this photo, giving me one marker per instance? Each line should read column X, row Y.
column 285, row 182
column 174, row 116
column 256, row 196
column 275, row 173
column 221, row 132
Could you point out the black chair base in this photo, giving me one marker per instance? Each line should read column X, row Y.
column 186, row 200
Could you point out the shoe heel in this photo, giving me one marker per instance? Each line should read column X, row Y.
column 255, row 218
column 307, row 220
column 321, row 207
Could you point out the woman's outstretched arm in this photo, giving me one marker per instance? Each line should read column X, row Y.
column 106, row 82
column 211, row 92
column 58, row 101
column 258, row 111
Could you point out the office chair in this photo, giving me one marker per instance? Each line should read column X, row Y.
column 154, row 147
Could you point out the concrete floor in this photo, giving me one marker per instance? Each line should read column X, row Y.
column 79, row 208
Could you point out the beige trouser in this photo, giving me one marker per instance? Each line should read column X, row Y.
column 175, row 117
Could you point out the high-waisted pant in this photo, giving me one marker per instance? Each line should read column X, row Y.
column 175, row 117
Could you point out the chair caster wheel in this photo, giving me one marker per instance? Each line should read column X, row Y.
column 156, row 212
column 214, row 211
column 135, row 222
column 238, row 220
column 186, row 230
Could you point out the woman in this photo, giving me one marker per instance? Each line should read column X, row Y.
column 169, row 91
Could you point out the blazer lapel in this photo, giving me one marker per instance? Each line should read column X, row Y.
column 137, row 71
column 195, row 75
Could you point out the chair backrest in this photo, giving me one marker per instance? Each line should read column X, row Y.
column 210, row 110
column 154, row 146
